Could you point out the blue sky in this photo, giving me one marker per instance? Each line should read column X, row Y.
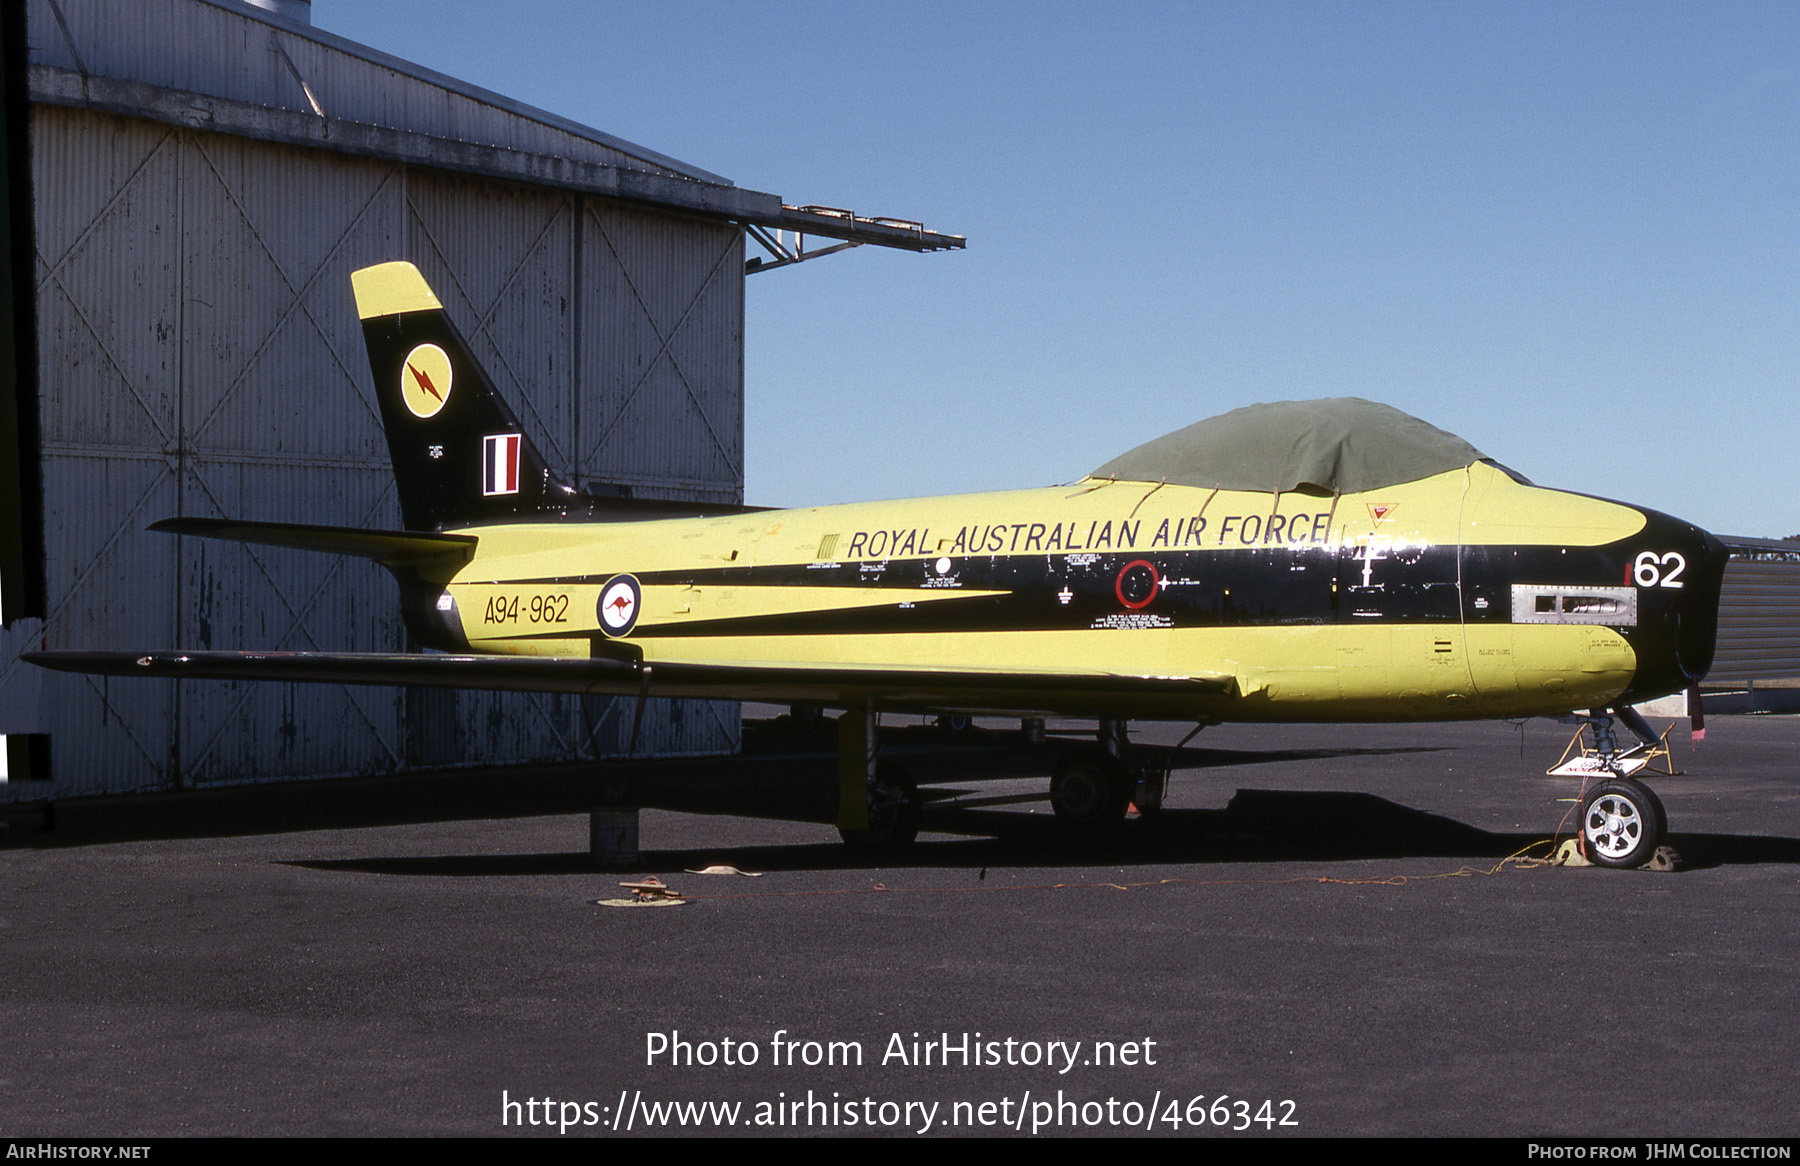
column 1569, row 233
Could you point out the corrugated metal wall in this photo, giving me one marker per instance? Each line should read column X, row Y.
column 664, row 292
column 201, row 356
column 1759, row 622
column 228, row 51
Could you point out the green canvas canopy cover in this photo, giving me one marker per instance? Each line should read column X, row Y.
column 1336, row 445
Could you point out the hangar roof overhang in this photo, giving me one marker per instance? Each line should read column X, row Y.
column 326, row 92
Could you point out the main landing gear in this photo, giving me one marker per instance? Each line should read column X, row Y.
column 1622, row 819
column 879, row 807
column 1091, row 789
column 1094, row 786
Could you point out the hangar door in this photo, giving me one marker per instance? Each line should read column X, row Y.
column 201, row 356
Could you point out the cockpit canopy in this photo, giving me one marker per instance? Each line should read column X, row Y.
column 1338, row 445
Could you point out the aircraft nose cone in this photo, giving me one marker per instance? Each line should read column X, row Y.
column 1678, row 570
column 1698, row 612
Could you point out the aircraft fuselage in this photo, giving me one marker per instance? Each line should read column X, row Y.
column 1467, row 594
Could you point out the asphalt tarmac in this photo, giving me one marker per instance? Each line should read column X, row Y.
column 1320, row 925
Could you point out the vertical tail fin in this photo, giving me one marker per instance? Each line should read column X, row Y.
column 460, row 456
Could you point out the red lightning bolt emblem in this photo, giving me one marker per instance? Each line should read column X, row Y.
column 424, row 382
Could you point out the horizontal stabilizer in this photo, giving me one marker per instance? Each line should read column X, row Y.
column 834, row 685
column 390, row 548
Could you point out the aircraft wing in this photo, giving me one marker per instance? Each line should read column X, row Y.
column 1022, row 690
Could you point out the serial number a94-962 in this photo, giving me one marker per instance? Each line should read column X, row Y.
column 526, row 609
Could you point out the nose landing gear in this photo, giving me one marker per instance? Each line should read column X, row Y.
column 1622, row 822
column 1622, row 819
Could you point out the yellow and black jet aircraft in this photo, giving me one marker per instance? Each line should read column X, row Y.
column 1305, row 561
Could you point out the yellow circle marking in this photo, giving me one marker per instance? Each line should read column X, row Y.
column 425, row 380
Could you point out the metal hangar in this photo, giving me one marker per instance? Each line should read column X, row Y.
column 204, row 174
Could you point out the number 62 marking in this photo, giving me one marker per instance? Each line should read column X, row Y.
column 1654, row 570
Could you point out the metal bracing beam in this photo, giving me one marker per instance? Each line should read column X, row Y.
column 780, row 252
column 837, row 223
column 833, row 223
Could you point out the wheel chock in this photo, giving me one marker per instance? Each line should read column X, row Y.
column 1663, row 859
column 1569, row 854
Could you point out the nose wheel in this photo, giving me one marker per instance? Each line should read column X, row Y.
column 1622, row 822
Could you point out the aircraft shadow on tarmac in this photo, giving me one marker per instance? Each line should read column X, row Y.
column 799, row 786
column 1257, row 826
column 989, row 828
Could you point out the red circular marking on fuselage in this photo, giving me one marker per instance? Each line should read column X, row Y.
column 1119, row 584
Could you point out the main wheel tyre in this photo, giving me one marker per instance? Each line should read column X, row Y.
column 895, row 809
column 1090, row 790
column 1621, row 823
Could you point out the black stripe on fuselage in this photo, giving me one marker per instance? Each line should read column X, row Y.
column 1260, row 587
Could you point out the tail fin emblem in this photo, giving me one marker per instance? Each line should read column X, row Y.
column 425, row 380
column 500, row 464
